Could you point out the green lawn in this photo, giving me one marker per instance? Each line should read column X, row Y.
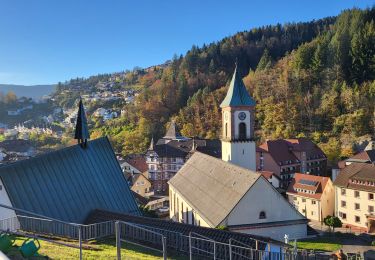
column 98, row 250
column 320, row 243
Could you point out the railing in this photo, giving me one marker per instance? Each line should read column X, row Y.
column 157, row 239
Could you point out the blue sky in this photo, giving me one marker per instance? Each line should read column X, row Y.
column 46, row 41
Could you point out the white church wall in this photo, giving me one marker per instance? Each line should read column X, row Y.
column 4, row 199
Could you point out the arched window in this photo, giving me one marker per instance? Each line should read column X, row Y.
column 262, row 215
column 242, row 131
column 226, row 129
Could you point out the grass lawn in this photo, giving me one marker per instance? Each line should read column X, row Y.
column 98, row 250
column 324, row 243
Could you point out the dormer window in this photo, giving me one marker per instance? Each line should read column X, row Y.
column 262, row 215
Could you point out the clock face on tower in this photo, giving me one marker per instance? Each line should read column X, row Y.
column 242, row 116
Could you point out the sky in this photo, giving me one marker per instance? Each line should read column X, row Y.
column 46, row 41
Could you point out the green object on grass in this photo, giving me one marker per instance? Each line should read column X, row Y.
column 6, row 242
column 29, row 247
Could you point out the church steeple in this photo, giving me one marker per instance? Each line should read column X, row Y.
column 151, row 148
column 237, row 94
column 238, row 113
column 81, row 131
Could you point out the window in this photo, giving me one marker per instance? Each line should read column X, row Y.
column 343, row 203
column 242, row 131
column 356, row 194
column 371, row 209
column 342, row 215
column 313, row 202
column 226, row 129
column 303, row 200
column 312, row 213
column 343, row 191
column 357, row 219
column 371, row 196
column 357, row 206
column 262, row 215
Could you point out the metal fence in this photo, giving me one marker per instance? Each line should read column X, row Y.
column 193, row 245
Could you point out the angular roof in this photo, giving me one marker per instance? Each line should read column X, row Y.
column 81, row 131
column 69, row 183
column 213, row 187
column 268, row 174
column 366, row 156
column 212, row 233
column 138, row 161
column 358, row 176
column 282, row 150
column 237, row 94
column 181, row 148
column 308, row 182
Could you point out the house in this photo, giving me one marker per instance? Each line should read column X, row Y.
column 366, row 156
column 227, row 192
column 141, row 184
column 273, row 178
column 170, row 153
column 210, row 192
column 355, row 196
column 69, row 183
column 313, row 196
column 288, row 156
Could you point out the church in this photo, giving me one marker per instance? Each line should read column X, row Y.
column 228, row 193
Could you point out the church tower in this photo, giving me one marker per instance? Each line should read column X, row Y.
column 238, row 110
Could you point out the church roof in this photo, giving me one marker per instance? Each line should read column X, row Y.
column 81, row 131
column 69, row 183
column 213, row 187
column 237, row 94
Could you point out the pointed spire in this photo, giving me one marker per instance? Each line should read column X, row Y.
column 151, row 148
column 81, row 131
column 172, row 132
column 237, row 94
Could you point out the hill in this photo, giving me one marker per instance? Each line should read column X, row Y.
column 34, row 92
column 312, row 79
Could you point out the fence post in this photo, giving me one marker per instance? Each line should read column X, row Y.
column 164, row 241
column 118, row 240
column 214, row 250
column 80, row 241
column 190, row 247
column 230, row 248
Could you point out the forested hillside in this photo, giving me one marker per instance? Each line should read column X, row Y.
column 311, row 79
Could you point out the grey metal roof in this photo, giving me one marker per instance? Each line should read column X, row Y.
column 69, row 183
column 237, row 94
column 211, row 186
column 172, row 132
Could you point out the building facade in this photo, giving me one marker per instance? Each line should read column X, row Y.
column 169, row 154
column 355, row 196
column 288, row 156
column 313, row 196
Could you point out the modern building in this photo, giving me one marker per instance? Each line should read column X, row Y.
column 355, row 196
column 313, row 196
column 214, row 193
column 288, row 156
column 170, row 153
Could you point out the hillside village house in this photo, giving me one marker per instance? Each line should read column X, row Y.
column 313, row 196
column 141, row 184
column 211, row 192
column 355, row 196
column 273, row 178
column 288, row 156
column 170, row 153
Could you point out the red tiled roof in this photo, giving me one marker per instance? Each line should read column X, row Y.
column 364, row 172
column 282, row 150
column 365, row 155
column 268, row 174
column 318, row 188
column 138, row 161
